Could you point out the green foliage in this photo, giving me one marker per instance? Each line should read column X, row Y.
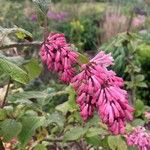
column 139, row 106
column 94, row 140
column 138, row 122
column 56, row 118
column 33, row 69
column 39, row 147
column 29, row 125
column 19, row 32
column 9, row 129
column 116, row 142
column 74, row 133
column 83, row 59
column 15, row 72
column 42, row 5
column 48, row 117
column 2, row 114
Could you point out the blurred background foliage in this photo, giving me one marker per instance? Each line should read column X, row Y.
column 121, row 27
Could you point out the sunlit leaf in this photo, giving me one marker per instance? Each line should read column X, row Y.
column 15, row 72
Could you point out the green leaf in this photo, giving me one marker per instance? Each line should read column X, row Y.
column 74, row 134
column 72, row 98
column 20, row 35
column 142, row 85
column 64, row 107
column 56, row 118
column 8, row 110
column 139, row 107
column 139, row 77
column 15, row 72
column 40, row 147
column 93, row 121
column 2, row 114
column 93, row 131
column 18, row 60
column 27, row 95
column 33, row 68
column 117, row 143
column 9, row 129
column 83, row 59
column 7, row 31
column 42, row 5
column 29, row 125
column 138, row 122
column 94, row 140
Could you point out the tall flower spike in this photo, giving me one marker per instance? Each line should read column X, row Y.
column 139, row 138
column 100, row 89
column 58, row 56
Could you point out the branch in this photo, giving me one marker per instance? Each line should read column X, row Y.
column 56, row 140
column 45, row 31
column 4, row 100
column 35, row 44
column 130, row 22
column 1, row 145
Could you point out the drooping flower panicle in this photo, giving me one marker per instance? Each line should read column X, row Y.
column 139, row 138
column 56, row 53
column 97, row 87
column 100, row 89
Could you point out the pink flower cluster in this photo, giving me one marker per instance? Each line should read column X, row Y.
column 97, row 87
column 100, row 89
column 56, row 53
column 139, row 138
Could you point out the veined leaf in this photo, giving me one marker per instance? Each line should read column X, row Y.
column 16, row 30
column 33, row 68
column 42, row 5
column 117, row 142
column 18, row 60
column 27, row 95
column 94, row 140
column 9, row 129
column 138, row 122
column 29, row 125
column 74, row 133
column 15, row 72
column 94, row 131
column 56, row 118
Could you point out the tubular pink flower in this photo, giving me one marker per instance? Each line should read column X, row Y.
column 103, row 59
column 58, row 56
column 100, row 89
column 139, row 138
